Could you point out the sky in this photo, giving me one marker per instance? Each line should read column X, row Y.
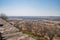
column 30, row 7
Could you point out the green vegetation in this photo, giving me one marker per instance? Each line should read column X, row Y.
column 17, row 26
column 37, row 37
column 28, row 24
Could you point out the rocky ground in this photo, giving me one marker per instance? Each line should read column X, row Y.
column 9, row 32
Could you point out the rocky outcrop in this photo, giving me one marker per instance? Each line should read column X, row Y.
column 9, row 32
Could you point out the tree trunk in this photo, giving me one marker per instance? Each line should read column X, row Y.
column 51, row 38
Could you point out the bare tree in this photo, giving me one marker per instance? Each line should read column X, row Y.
column 51, row 33
column 29, row 26
column 17, row 25
column 3, row 16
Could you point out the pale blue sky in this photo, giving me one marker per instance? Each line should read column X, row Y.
column 30, row 7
